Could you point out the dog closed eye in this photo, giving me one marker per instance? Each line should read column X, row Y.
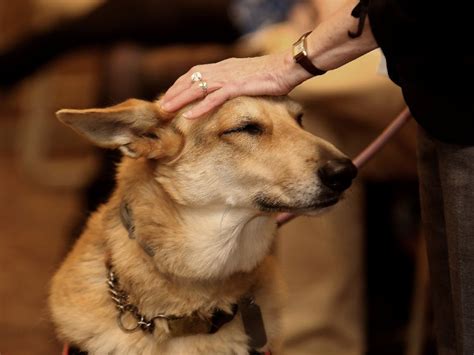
column 299, row 119
column 151, row 135
column 250, row 128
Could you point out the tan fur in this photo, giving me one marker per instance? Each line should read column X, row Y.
column 194, row 191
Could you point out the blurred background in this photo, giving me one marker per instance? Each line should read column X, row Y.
column 356, row 276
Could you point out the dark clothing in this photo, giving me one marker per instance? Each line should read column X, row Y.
column 429, row 53
column 446, row 172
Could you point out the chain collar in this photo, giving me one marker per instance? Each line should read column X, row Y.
column 195, row 323
column 121, row 300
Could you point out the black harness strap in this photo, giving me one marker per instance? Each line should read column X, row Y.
column 126, row 217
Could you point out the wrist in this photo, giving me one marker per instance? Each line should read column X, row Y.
column 295, row 73
column 301, row 56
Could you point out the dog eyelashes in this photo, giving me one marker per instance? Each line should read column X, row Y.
column 253, row 129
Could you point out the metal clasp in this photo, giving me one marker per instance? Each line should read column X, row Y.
column 123, row 311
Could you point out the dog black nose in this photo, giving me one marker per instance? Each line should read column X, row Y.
column 337, row 174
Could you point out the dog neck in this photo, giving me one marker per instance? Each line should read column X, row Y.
column 194, row 242
column 218, row 241
column 222, row 240
column 178, row 259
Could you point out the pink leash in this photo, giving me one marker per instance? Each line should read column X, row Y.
column 368, row 153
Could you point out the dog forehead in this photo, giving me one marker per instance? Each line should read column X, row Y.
column 258, row 108
column 243, row 107
column 262, row 103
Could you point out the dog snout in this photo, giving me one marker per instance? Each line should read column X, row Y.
column 337, row 174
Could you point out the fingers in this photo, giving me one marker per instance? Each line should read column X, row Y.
column 181, row 84
column 212, row 101
column 178, row 88
column 170, row 101
column 227, row 79
column 195, row 92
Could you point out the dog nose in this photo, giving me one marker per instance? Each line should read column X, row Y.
column 337, row 174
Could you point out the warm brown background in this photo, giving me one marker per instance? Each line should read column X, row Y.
column 44, row 167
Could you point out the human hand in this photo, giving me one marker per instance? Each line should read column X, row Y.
column 274, row 74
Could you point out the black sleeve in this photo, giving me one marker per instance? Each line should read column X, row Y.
column 429, row 52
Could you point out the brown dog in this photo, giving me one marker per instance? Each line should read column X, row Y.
column 178, row 261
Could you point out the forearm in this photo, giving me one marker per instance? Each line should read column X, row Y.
column 329, row 45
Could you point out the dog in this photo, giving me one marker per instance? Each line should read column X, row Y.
column 179, row 260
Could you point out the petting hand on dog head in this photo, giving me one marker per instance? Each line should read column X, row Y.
column 273, row 75
column 327, row 47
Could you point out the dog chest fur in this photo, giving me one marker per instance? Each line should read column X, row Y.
column 203, row 260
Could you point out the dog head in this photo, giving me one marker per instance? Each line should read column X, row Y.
column 251, row 153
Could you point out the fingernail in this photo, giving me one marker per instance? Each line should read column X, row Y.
column 165, row 106
column 188, row 114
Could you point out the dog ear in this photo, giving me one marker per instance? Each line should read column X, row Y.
column 138, row 128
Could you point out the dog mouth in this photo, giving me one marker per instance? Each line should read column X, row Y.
column 269, row 205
